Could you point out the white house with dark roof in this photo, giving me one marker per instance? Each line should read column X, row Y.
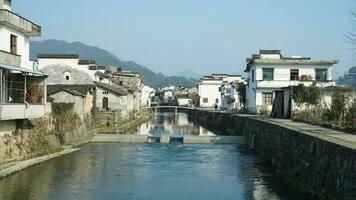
column 210, row 89
column 114, row 98
column 22, row 86
column 269, row 71
column 71, row 60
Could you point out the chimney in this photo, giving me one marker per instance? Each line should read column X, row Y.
column 5, row 4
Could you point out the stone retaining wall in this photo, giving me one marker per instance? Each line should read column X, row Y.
column 312, row 164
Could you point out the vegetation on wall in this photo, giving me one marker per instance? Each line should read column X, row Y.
column 64, row 117
column 306, row 95
column 340, row 114
column 34, row 94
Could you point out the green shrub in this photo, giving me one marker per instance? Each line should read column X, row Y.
column 64, row 117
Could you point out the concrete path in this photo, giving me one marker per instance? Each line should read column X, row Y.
column 338, row 137
column 21, row 165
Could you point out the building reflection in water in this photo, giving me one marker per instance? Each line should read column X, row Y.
column 172, row 124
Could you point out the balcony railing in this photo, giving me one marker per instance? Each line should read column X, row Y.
column 286, row 83
column 10, row 59
column 20, row 23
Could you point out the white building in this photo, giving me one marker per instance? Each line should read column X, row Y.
column 72, row 60
column 146, row 95
column 230, row 98
column 269, row 71
column 22, row 87
column 166, row 94
column 209, row 89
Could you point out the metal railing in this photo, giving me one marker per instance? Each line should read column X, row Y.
column 18, row 92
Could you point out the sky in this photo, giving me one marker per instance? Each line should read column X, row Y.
column 206, row 36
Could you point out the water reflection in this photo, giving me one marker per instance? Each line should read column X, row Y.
column 153, row 171
column 174, row 125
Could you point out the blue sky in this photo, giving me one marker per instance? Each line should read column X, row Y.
column 206, row 36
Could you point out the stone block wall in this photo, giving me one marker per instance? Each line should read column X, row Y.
column 314, row 165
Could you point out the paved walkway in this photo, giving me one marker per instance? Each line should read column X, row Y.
column 338, row 137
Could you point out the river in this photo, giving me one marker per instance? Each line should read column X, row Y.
column 154, row 171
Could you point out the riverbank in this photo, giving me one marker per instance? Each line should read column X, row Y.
column 12, row 168
column 318, row 160
column 25, row 148
column 111, row 125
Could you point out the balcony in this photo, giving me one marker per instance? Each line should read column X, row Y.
column 22, row 94
column 286, row 83
column 21, row 111
column 10, row 59
column 19, row 23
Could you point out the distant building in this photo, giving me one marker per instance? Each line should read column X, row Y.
column 69, row 85
column 146, row 95
column 81, row 95
column 210, row 89
column 71, row 60
column 131, row 80
column 113, row 98
column 166, row 94
column 183, row 100
column 269, row 71
column 230, row 98
column 23, row 87
column 116, row 90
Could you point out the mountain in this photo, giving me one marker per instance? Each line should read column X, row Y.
column 104, row 57
column 349, row 79
column 190, row 74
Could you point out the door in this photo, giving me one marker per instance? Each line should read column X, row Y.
column 105, row 103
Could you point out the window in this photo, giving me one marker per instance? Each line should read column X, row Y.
column 267, row 74
column 120, row 83
column 253, row 75
column 220, row 89
column 67, row 75
column 205, row 100
column 13, row 44
column 216, row 100
column 321, row 74
column 105, row 92
column 294, row 74
column 267, row 98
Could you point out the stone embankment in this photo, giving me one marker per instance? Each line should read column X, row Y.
column 21, row 165
column 316, row 159
column 25, row 148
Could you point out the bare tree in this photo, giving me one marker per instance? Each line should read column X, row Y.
column 351, row 37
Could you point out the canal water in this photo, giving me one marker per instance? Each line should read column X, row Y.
column 153, row 171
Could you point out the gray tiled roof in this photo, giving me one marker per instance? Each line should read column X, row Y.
column 76, row 90
column 75, row 56
column 112, row 88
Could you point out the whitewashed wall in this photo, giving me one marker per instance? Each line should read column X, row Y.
column 23, row 46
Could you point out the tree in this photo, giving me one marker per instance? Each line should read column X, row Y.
column 241, row 87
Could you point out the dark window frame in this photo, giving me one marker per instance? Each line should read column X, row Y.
column 320, row 75
column 13, row 44
column 294, row 75
column 267, row 98
column 267, row 75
